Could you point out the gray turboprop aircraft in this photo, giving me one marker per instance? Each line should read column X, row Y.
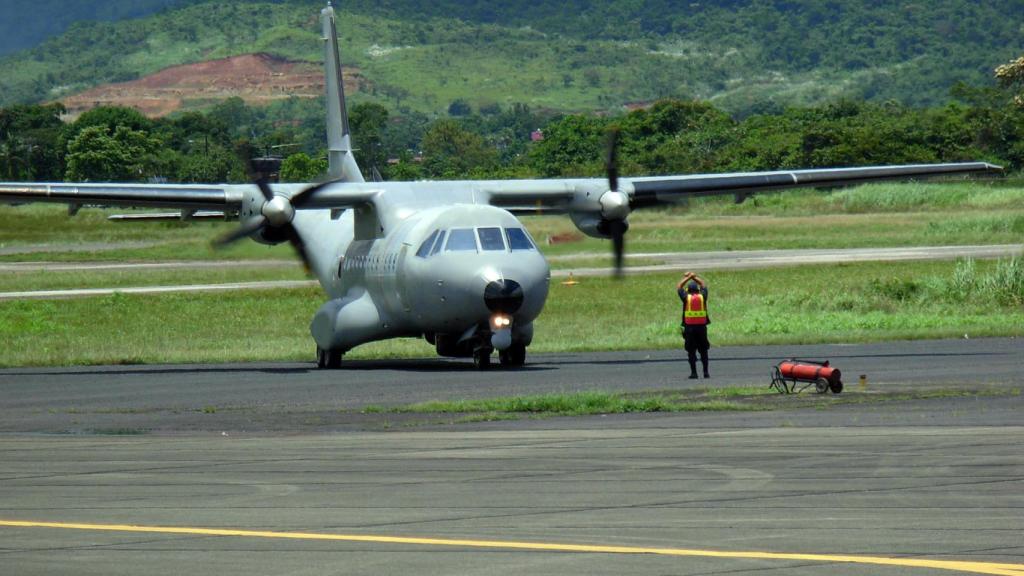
column 446, row 261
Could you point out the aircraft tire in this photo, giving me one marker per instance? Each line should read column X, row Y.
column 327, row 359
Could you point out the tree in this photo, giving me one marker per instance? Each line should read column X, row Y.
column 29, row 148
column 451, row 151
column 233, row 112
column 1012, row 76
column 125, row 156
column 459, row 107
column 405, row 171
column 368, row 122
column 193, row 130
column 213, row 164
column 572, row 146
column 300, row 167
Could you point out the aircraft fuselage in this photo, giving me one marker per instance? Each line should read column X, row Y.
column 467, row 277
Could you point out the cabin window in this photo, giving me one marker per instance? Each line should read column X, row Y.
column 517, row 239
column 438, row 244
column 490, row 239
column 461, row 239
column 424, row 250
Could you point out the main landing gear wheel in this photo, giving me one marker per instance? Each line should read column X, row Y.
column 513, row 357
column 328, row 359
column 482, row 358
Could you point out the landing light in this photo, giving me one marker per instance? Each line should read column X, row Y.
column 500, row 321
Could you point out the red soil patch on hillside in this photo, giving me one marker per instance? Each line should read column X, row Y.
column 256, row 78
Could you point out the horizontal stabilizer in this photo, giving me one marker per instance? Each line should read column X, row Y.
column 168, row 216
column 188, row 196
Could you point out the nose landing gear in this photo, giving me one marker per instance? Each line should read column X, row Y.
column 514, row 357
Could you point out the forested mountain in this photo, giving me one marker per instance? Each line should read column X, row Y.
column 745, row 55
column 25, row 24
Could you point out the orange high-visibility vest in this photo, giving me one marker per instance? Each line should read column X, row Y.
column 695, row 312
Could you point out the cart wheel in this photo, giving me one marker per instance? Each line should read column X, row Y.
column 821, row 386
column 836, row 387
column 777, row 382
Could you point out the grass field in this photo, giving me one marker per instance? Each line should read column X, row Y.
column 845, row 303
column 807, row 304
column 728, row 399
column 46, row 280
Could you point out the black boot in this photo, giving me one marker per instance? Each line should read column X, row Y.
column 693, row 375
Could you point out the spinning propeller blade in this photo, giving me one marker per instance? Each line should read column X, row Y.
column 616, row 227
column 260, row 222
column 248, row 228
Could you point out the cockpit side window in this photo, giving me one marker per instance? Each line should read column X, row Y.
column 424, row 250
column 490, row 239
column 518, row 240
column 461, row 239
column 438, row 244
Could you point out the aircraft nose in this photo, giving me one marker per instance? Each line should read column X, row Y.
column 503, row 296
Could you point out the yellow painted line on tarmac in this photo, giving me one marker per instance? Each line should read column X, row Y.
column 954, row 565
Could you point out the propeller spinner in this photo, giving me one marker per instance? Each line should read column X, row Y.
column 275, row 215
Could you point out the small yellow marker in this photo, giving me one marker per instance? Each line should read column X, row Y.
column 863, row 385
column 570, row 281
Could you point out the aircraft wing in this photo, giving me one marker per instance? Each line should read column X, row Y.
column 583, row 194
column 651, row 191
column 536, row 196
column 188, row 197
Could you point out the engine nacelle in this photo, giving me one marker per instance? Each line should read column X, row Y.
column 593, row 225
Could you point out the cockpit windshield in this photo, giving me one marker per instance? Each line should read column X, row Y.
column 491, row 239
column 461, row 239
column 518, row 240
column 438, row 244
column 424, row 250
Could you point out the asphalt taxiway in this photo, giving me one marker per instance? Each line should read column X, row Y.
column 215, row 485
column 297, row 397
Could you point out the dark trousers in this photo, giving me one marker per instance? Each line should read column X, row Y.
column 695, row 339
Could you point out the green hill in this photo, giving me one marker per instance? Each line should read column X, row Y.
column 743, row 55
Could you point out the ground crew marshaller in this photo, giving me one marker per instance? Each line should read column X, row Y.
column 693, row 291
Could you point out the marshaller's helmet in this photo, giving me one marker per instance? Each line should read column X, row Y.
column 691, row 287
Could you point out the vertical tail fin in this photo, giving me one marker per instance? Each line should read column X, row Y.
column 341, row 163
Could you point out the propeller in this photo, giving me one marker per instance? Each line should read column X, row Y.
column 615, row 204
column 276, row 217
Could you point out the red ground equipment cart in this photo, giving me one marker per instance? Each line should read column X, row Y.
column 793, row 375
